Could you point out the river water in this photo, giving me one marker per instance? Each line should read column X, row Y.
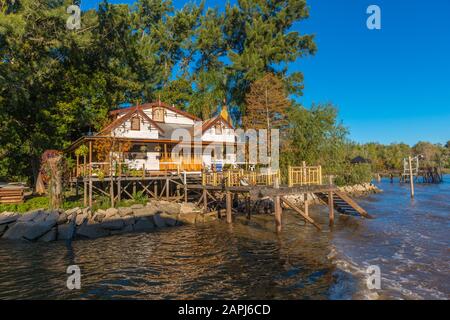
column 408, row 241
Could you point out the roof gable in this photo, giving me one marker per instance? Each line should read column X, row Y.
column 210, row 122
column 131, row 112
column 154, row 105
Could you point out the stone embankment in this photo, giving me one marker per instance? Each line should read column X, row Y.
column 357, row 190
column 77, row 223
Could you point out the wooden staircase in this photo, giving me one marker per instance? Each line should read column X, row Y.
column 344, row 204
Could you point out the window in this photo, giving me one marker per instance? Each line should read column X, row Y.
column 135, row 123
column 219, row 128
column 158, row 114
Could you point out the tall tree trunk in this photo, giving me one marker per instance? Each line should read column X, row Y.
column 55, row 187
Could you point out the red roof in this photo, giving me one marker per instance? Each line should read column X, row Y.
column 155, row 105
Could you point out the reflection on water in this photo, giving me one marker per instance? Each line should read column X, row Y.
column 408, row 240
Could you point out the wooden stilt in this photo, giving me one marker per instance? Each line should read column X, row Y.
column 205, row 200
column 306, row 205
column 90, row 192
column 85, row 191
column 331, row 207
column 90, row 174
column 277, row 202
column 119, row 189
column 155, row 189
column 278, row 210
column 167, row 189
column 228, row 206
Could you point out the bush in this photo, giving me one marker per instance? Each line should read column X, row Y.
column 353, row 174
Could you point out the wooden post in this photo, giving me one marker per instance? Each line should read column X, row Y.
column 143, row 171
column 278, row 209
column 185, row 187
column 167, row 188
column 304, row 181
column 85, row 190
column 411, row 178
column 205, row 200
column 289, row 176
column 90, row 174
column 119, row 188
column 228, row 205
column 331, row 202
column 306, row 201
column 77, row 173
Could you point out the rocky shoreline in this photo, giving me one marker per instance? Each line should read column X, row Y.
column 357, row 190
column 77, row 223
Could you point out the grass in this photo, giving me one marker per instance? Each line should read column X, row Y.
column 71, row 201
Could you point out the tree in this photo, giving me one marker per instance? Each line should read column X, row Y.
column 267, row 104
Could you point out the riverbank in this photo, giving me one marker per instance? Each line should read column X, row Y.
column 50, row 225
column 77, row 223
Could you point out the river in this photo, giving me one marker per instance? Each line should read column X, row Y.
column 408, row 240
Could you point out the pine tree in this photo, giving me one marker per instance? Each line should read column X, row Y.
column 267, row 104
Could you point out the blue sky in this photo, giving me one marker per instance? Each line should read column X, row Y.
column 390, row 85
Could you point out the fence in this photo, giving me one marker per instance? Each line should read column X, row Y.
column 303, row 176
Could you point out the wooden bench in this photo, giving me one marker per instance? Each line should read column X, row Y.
column 11, row 195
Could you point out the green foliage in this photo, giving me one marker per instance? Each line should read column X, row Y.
column 31, row 204
column 352, row 174
column 140, row 197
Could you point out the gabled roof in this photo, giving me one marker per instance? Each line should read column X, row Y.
column 210, row 122
column 130, row 113
column 152, row 105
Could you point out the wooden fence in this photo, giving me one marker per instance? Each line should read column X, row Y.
column 304, row 176
column 233, row 178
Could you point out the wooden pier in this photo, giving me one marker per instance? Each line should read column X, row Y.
column 227, row 192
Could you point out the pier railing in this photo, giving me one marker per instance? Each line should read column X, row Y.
column 304, row 176
column 232, row 178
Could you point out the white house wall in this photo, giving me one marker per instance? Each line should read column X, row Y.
column 147, row 130
column 171, row 117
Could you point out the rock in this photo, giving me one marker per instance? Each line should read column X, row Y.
column 143, row 224
column 53, row 216
column 111, row 212
column 188, row 217
column 62, row 218
column 125, row 211
column 80, row 219
column 66, row 231
column 3, row 228
column 145, row 212
column 127, row 229
column 8, row 217
column 210, row 216
column 112, row 224
column 128, row 220
column 169, row 219
column 99, row 216
column 137, row 206
column 87, row 212
column 29, row 230
column 91, row 231
column 49, row 236
column 31, row 215
column 187, row 207
column 159, row 221
column 169, row 207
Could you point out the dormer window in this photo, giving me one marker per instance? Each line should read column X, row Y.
column 158, row 114
column 135, row 124
column 219, row 128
